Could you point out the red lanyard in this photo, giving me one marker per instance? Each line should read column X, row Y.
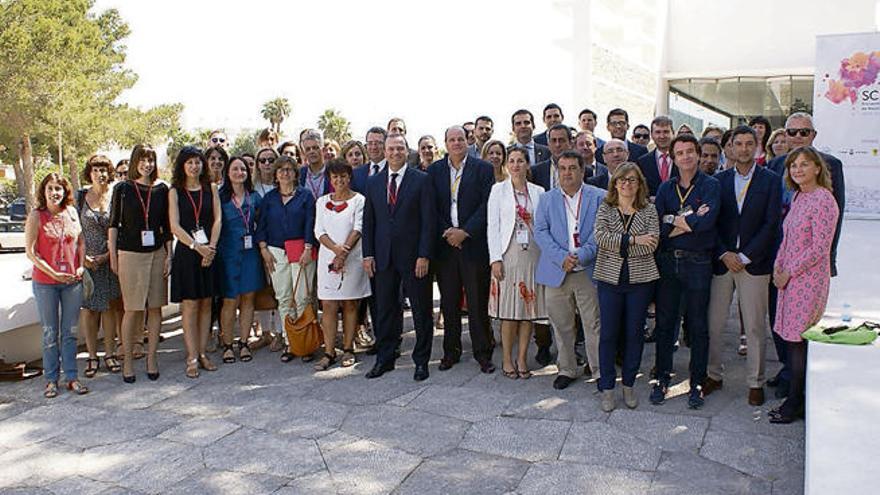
column 144, row 206
column 577, row 214
column 245, row 218
column 198, row 210
column 522, row 211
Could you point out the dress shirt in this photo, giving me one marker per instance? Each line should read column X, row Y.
column 659, row 155
column 571, row 214
column 530, row 148
column 398, row 179
column 315, row 182
column 554, row 174
column 454, row 188
column 740, row 189
column 375, row 168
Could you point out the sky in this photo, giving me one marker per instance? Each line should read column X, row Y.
column 371, row 60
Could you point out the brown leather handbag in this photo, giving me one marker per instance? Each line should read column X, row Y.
column 304, row 334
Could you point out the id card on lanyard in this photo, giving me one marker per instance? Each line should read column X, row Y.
column 523, row 219
column 63, row 265
column 684, row 210
column 247, row 240
column 148, row 237
column 198, row 234
column 577, row 216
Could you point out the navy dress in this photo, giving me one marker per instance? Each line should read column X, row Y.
column 189, row 279
column 241, row 270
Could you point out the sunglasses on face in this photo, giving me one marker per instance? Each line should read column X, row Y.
column 803, row 132
column 216, row 140
column 266, row 160
column 641, row 136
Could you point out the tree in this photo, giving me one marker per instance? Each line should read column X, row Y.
column 334, row 126
column 245, row 142
column 275, row 111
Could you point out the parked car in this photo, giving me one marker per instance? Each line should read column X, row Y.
column 12, row 236
column 17, row 210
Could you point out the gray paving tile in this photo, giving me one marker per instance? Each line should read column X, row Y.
column 147, row 464
column 199, row 432
column 112, row 393
column 319, row 483
column 301, row 416
column 602, row 444
column 227, row 482
column 666, row 431
column 792, row 485
column 527, row 439
column 563, row 478
column 253, row 451
column 367, row 467
column 555, row 405
column 413, row 431
column 406, row 398
column 338, row 439
column 43, row 423
column 10, row 407
column 116, row 426
column 464, row 403
column 360, row 391
column 76, row 485
column 681, row 473
column 462, row 471
column 770, row 458
column 739, row 417
column 27, row 465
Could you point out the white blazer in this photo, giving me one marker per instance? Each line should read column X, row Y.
column 501, row 213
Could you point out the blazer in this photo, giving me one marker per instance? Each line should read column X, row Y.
column 839, row 190
column 600, row 181
column 397, row 237
column 635, row 151
column 541, row 174
column 541, row 138
column 501, row 216
column 611, row 233
column 541, row 152
column 648, row 164
column 327, row 189
column 756, row 226
column 552, row 235
column 473, row 195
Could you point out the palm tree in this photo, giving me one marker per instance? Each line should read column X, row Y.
column 275, row 111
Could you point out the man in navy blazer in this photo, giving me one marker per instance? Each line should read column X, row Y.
column 523, row 123
column 375, row 145
column 748, row 219
column 461, row 191
column 314, row 177
column 398, row 242
column 618, row 124
column 546, row 173
column 657, row 165
column 551, row 116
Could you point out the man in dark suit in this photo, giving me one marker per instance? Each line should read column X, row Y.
column 618, row 124
column 484, row 127
column 523, row 123
column 657, row 166
column 615, row 156
column 461, row 190
column 314, row 175
column 376, row 159
column 396, row 125
column 398, row 242
column 587, row 122
column 552, row 115
column 546, row 173
column 747, row 224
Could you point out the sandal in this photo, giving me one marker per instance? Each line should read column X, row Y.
column 325, row 362
column 287, row 357
column 112, row 363
column 348, row 358
column 512, row 374
column 206, row 364
column 524, row 374
column 91, row 371
column 277, row 343
column 76, row 387
column 244, row 352
column 51, row 390
column 192, row 368
column 228, row 354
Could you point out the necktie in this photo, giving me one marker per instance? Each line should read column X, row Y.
column 392, row 191
column 664, row 167
column 375, row 169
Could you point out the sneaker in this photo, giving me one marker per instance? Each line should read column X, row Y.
column 658, row 394
column 695, row 398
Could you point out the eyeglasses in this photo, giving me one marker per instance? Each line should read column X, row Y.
column 618, row 123
column 627, row 180
column 120, row 175
column 803, row 132
column 641, row 136
column 216, row 140
column 266, row 160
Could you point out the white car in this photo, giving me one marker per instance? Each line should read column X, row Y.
column 11, row 236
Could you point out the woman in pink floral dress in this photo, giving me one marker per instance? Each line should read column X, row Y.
column 803, row 266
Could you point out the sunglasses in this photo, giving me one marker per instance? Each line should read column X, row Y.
column 266, row 160
column 641, row 136
column 803, row 132
column 121, row 174
column 216, row 140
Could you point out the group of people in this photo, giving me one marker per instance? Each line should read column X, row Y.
column 559, row 236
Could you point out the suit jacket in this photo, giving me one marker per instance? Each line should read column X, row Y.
column 635, row 151
column 552, row 235
column 756, row 226
column 359, row 178
column 541, row 174
column 839, row 190
column 327, row 189
column 611, row 233
column 412, row 158
column 473, row 195
column 473, row 151
column 541, row 152
column 397, row 237
column 651, row 171
column 541, row 138
column 600, row 181
column 501, row 216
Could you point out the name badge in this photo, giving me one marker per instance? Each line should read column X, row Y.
column 248, row 241
column 685, row 211
column 199, row 236
column 577, row 239
column 64, row 267
column 522, row 236
column 147, row 238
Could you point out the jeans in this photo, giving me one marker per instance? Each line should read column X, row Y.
column 622, row 311
column 685, row 276
column 59, row 329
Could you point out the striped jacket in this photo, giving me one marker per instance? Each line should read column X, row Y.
column 609, row 230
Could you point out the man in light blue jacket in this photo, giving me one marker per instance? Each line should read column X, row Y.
column 564, row 232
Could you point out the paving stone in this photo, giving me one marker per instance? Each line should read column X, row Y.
column 12, row 407
column 28, row 465
column 27, row 490
column 555, row 406
column 681, row 473
column 199, row 432
column 301, row 416
column 739, row 417
column 117, row 426
column 413, row 431
column 118, row 490
column 527, row 439
column 791, row 485
column 462, row 471
column 227, row 482
column 770, row 458
column 148, row 464
column 562, row 478
column 76, row 485
column 338, row 439
column 253, row 451
column 602, row 444
column 367, row 467
column 467, row 404
column 405, row 399
column 319, row 483
column 43, row 423
column 360, row 391
column 666, row 431
column 112, row 393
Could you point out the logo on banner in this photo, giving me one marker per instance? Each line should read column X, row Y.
column 856, row 81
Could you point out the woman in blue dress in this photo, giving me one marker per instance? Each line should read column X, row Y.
column 241, row 268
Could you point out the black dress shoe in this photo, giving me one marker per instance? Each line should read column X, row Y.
column 562, row 382
column 153, row 376
column 543, row 357
column 371, row 351
column 487, row 366
column 421, row 373
column 379, row 369
column 129, row 379
column 447, row 363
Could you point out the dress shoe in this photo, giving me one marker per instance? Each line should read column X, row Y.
column 129, row 379
column 773, row 382
column 695, row 398
column 371, row 351
column 487, row 366
column 629, row 397
column 658, row 393
column 711, row 385
column 379, row 369
column 588, row 373
column 543, row 356
column 421, row 373
column 607, row 401
column 782, row 389
column 562, row 382
column 447, row 363
column 756, row 396
column 153, row 376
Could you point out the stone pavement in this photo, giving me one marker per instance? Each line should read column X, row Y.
column 267, row 427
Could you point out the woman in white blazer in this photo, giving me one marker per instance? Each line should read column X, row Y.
column 514, row 297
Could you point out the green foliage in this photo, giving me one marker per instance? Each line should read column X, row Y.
column 275, row 111
column 334, row 126
column 245, row 142
column 181, row 137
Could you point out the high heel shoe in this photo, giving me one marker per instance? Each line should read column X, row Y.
column 152, row 375
column 129, row 379
column 192, row 368
column 206, row 364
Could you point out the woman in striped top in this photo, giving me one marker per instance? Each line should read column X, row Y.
column 627, row 232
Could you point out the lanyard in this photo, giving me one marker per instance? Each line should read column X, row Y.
column 576, row 214
column 315, row 184
column 522, row 210
column 144, row 206
column 682, row 199
column 198, row 210
column 742, row 194
column 455, row 182
column 627, row 223
column 246, row 218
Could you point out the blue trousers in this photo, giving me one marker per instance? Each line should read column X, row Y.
column 684, row 279
column 622, row 310
column 58, row 305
